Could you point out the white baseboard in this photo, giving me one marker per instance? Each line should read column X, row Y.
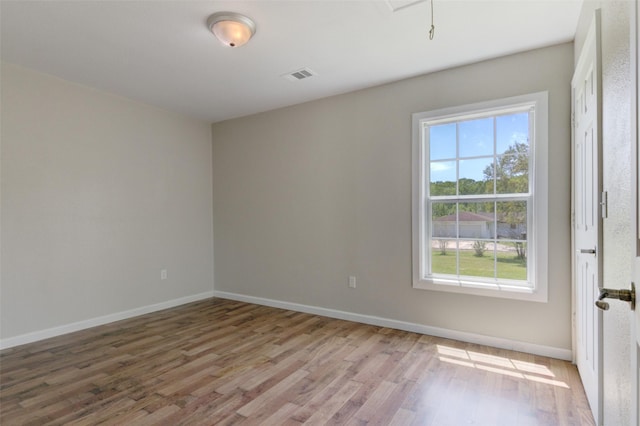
column 93, row 322
column 496, row 342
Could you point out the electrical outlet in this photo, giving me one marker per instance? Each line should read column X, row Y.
column 163, row 274
column 352, row 281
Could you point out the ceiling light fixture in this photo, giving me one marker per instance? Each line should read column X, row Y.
column 231, row 28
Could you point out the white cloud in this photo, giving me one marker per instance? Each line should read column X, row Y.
column 441, row 167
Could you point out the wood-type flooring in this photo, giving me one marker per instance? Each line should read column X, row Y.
column 222, row 362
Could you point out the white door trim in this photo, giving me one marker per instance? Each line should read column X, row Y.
column 635, row 146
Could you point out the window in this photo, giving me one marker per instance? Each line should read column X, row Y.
column 480, row 198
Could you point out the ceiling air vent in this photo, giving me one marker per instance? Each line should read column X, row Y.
column 301, row 74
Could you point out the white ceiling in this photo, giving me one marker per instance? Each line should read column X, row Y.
column 161, row 52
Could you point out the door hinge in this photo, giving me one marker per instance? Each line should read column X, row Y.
column 603, row 204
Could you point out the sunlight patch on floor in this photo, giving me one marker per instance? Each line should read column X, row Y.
column 499, row 365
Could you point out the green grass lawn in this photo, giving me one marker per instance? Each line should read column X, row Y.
column 509, row 267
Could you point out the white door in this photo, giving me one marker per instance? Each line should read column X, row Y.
column 587, row 229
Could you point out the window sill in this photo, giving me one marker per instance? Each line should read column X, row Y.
column 503, row 291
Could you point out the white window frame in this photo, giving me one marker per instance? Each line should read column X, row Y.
column 537, row 226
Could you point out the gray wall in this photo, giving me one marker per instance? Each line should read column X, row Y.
column 618, row 229
column 99, row 194
column 307, row 195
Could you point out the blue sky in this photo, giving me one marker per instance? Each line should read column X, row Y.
column 476, row 139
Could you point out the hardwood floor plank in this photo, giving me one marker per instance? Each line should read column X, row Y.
column 225, row 362
column 402, row 417
column 106, row 412
column 158, row 416
column 282, row 415
column 386, row 411
column 327, row 404
column 368, row 412
column 186, row 385
column 258, row 403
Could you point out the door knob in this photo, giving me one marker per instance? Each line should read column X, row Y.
column 588, row 251
column 624, row 295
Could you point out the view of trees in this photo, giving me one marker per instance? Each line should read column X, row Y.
column 511, row 170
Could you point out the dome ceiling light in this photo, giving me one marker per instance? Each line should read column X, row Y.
column 232, row 29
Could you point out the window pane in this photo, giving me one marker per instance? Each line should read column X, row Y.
column 476, row 137
column 443, row 220
column 512, row 220
column 442, row 141
column 443, row 257
column 473, row 264
column 512, row 260
column 512, row 172
column 443, row 178
column 472, row 176
column 476, row 220
column 510, row 129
